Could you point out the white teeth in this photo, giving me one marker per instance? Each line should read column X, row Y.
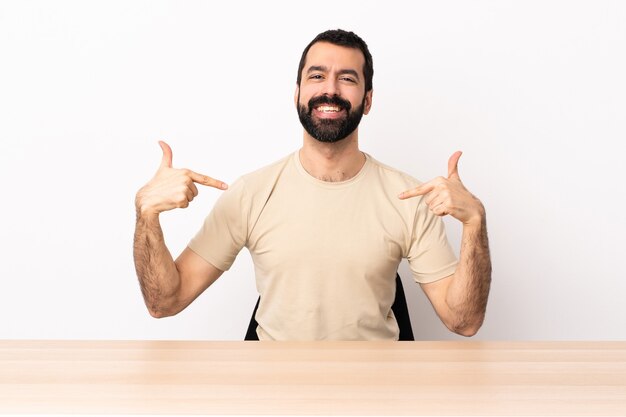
column 328, row 109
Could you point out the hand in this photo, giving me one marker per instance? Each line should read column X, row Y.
column 449, row 196
column 171, row 188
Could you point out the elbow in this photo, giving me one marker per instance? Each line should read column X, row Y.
column 467, row 331
column 159, row 311
column 160, row 306
column 467, row 328
column 157, row 314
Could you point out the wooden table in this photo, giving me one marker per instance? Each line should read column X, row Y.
column 295, row 378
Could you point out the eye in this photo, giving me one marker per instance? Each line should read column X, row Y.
column 348, row 79
column 315, row 77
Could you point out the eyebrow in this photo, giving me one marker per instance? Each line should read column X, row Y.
column 322, row 68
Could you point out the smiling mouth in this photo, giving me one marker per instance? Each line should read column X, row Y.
column 328, row 109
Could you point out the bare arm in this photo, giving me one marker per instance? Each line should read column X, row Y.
column 167, row 286
column 460, row 300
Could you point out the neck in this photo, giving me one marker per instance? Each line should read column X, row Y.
column 332, row 162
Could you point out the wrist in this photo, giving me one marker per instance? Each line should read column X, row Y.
column 147, row 215
column 145, row 212
column 478, row 219
column 143, row 209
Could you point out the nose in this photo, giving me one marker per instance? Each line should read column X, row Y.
column 330, row 87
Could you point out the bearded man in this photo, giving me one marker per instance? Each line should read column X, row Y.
column 326, row 226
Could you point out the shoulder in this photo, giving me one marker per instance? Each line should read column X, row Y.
column 256, row 184
column 392, row 176
column 266, row 173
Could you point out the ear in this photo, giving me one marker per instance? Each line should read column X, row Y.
column 368, row 101
column 295, row 96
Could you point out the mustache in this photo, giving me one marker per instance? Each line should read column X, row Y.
column 334, row 100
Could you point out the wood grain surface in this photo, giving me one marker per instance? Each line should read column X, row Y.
column 313, row 378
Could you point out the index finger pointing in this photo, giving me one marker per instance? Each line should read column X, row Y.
column 208, row 181
column 419, row 190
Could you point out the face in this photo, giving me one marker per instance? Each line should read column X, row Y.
column 331, row 98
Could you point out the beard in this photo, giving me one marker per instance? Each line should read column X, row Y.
column 330, row 130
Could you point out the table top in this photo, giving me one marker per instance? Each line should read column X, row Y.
column 313, row 378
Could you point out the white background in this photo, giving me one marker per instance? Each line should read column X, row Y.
column 533, row 92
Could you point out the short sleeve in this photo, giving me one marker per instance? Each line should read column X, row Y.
column 224, row 231
column 430, row 255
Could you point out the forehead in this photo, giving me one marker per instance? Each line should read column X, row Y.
column 334, row 56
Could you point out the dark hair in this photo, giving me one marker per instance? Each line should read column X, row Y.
column 342, row 38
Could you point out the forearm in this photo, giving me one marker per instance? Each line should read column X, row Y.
column 156, row 270
column 469, row 290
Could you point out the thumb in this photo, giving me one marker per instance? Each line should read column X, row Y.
column 453, row 164
column 166, row 161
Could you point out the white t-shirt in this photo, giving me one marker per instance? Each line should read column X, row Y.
column 326, row 253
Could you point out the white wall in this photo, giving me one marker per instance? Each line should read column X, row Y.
column 534, row 93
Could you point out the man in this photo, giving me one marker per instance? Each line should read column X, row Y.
column 326, row 226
